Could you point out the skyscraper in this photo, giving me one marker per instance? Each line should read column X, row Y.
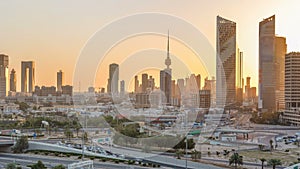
column 272, row 50
column 27, row 76
column 267, row 83
column 136, row 84
column 122, row 87
column 13, row 81
column 280, row 51
column 226, row 62
column 60, row 80
column 166, row 78
column 292, row 88
column 144, row 82
column 239, row 72
column 113, row 80
column 3, row 75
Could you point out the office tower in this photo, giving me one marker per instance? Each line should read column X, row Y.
column 151, row 83
column 144, row 82
column 166, row 78
column 113, row 80
column 239, row 73
column 226, row 62
column 136, row 84
column 239, row 70
column 13, row 81
column 247, row 87
column 292, row 88
column 27, row 76
column 180, row 83
column 4, row 75
column 280, row 51
column 267, row 78
column 271, row 68
column 211, row 86
column 60, row 80
column 173, row 87
column 205, row 99
column 198, row 81
column 122, row 87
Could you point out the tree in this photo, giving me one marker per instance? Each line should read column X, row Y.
column 178, row 154
column 274, row 162
column 261, row 147
column 38, row 165
column 85, row 137
column 196, row 155
column 77, row 128
column 21, row 145
column 236, row 159
column 68, row 134
column 59, row 167
column 11, row 166
column 263, row 160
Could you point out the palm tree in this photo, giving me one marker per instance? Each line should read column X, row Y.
column 236, row 159
column 263, row 160
column 271, row 145
column 274, row 162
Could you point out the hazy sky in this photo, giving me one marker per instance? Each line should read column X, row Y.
column 53, row 33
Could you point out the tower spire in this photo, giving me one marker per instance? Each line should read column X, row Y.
column 168, row 60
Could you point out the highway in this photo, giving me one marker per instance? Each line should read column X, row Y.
column 25, row 159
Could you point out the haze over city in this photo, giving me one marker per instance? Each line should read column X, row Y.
column 150, row 84
column 52, row 33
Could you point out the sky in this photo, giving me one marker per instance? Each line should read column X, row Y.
column 54, row 33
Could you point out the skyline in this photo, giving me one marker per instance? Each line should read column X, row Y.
column 51, row 40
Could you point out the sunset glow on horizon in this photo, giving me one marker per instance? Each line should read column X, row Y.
column 53, row 33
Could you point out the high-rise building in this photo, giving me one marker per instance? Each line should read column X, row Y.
column 226, row 62
column 136, row 84
column 280, row 51
column 239, row 71
column 27, row 76
column 266, row 71
column 60, row 80
column 198, row 81
column 292, row 89
column 144, row 82
column 113, row 80
column 122, row 87
column 13, row 81
column 166, row 78
column 247, row 87
column 4, row 75
column 272, row 50
column 151, row 83
column 211, row 86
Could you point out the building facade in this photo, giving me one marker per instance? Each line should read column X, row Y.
column 113, row 80
column 13, row 81
column 27, row 76
column 60, row 80
column 4, row 83
column 226, row 62
column 291, row 114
